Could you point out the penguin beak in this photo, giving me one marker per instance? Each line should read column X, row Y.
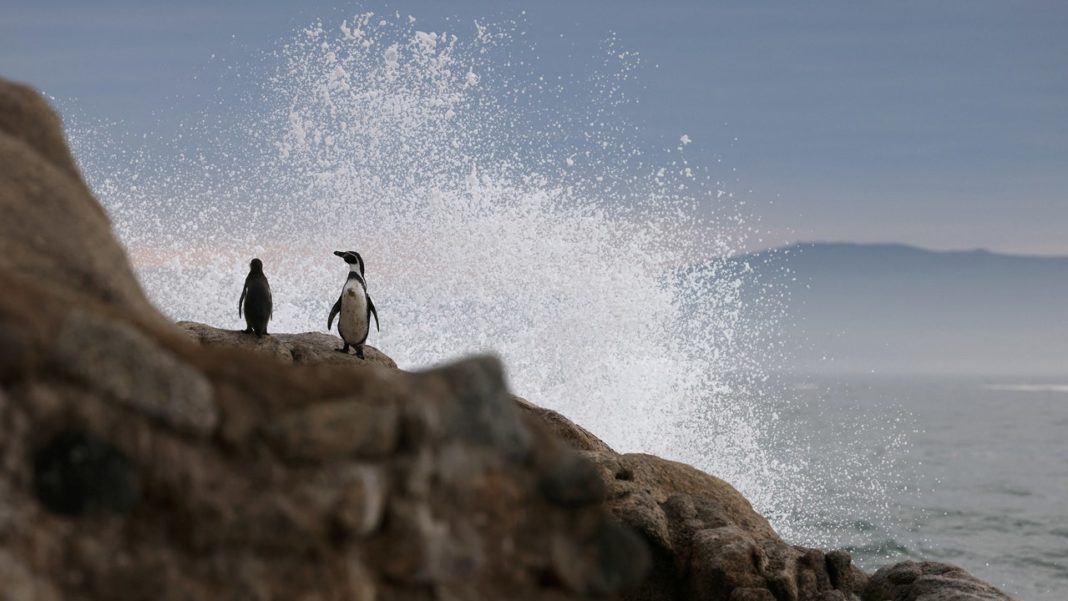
column 339, row 253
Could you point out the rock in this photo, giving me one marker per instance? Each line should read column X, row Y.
column 725, row 559
column 53, row 234
column 928, row 581
column 572, row 479
column 567, row 431
column 335, row 429
column 315, row 348
column 607, row 560
column 76, row 473
column 359, row 508
column 484, row 411
column 843, row 574
column 20, row 584
column 706, row 540
column 751, row 594
column 121, row 362
column 420, row 549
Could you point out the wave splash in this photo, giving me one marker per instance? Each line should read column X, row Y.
column 498, row 210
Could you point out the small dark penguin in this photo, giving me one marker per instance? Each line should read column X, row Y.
column 354, row 305
column 255, row 302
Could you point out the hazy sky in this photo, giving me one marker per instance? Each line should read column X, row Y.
column 942, row 124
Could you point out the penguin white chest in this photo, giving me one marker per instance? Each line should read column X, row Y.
column 353, row 325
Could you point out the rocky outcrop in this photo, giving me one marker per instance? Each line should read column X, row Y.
column 144, row 460
column 929, row 581
column 706, row 540
column 310, row 348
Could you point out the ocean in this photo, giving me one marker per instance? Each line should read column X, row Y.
column 981, row 473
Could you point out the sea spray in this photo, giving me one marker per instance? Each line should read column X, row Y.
column 498, row 211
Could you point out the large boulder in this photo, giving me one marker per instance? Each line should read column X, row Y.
column 707, row 541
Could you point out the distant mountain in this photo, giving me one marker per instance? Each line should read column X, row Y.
column 897, row 308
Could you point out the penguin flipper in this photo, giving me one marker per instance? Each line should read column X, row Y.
column 333, row 313
column 371, row 311
column 241, row 301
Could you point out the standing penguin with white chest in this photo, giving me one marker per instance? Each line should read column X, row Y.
column 255, row 304
column 354, row 305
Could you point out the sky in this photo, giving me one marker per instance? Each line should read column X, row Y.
column 940, row 124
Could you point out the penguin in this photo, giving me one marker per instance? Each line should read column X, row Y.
column 354, row 305
column 255, row 303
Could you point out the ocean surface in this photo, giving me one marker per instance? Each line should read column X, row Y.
column 979, row 473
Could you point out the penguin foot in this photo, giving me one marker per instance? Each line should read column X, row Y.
column 246, row 331
column 359, row 352
column 342, row 350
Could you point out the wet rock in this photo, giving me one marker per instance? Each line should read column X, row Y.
column 928, row 581
column 76, row 473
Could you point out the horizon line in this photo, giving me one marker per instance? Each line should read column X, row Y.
column 904, row 245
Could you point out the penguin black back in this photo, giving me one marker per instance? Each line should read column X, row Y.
column 255, row 303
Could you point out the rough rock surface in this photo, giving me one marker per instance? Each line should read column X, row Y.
column 317, row 348
column 143, row 460
column 929, row 581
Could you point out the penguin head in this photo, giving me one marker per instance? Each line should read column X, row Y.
column 351, row 257
column 256, row 266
